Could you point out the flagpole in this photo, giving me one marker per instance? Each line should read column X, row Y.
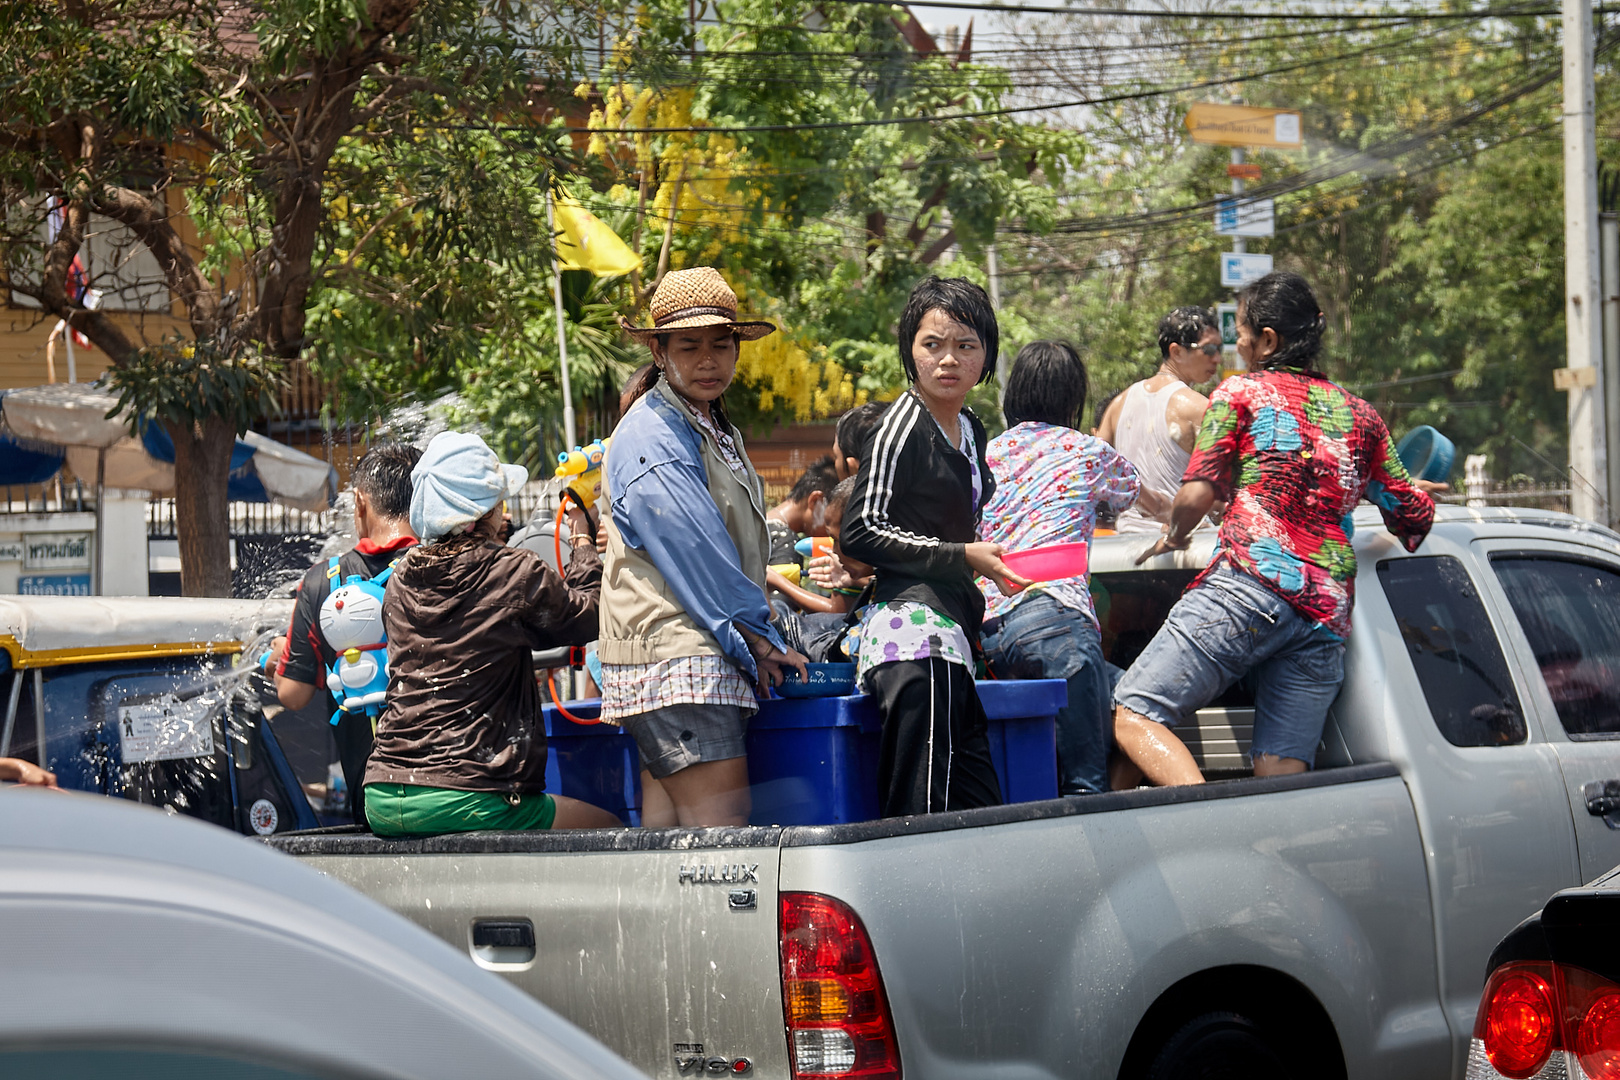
column 569, row 438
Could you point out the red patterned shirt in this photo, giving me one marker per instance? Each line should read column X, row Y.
column 1292, row 455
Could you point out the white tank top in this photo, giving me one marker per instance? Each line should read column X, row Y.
column 1143, row 438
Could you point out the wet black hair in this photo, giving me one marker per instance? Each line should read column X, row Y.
column 1184, row 326
column 839, row 499
column 855, row 427
column 961, row 300
column 383, row 475
column 820, row 476
column 1284, row 301
column 1047, row 385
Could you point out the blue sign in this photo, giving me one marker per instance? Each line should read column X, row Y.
column 1239, row 268
column 54, row 585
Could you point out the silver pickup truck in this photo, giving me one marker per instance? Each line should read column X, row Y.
column 1336, row 923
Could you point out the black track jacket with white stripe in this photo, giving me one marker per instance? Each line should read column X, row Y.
column 912, row 512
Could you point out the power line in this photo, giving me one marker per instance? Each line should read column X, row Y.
column 1107, row 99
column 1244, row 16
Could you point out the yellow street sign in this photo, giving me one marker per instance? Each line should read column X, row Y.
column 1244, row 125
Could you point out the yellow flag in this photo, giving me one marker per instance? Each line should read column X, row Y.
column 586, row 243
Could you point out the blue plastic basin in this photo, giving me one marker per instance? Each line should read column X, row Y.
column 826, row 680
column 1427, row 454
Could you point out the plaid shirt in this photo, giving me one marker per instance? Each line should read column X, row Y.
column 632, row 689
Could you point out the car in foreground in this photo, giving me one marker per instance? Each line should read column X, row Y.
column 142, row 943
column 1551, row 1006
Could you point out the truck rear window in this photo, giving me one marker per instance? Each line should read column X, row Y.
column 1132, row 606
column 1454, row 650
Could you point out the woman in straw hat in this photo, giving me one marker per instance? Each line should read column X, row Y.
column 686, row 635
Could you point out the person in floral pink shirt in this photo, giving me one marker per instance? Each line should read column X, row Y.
column 1291, row 454
column 1050, row 480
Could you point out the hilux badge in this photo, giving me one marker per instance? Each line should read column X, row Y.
column 723, row 874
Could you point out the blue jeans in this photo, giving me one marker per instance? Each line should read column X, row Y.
column 1043, row 639
column 1228, row 626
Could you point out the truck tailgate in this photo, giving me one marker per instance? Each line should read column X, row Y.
column 662, row 943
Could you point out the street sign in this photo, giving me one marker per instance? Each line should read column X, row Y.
column 1243, row 170
column 1226, row 315
column 1238, row 268
column 1244, row 125
column 56, row 551
column 53, row 585
column 1246, row 217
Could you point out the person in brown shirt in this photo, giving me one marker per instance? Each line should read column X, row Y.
column 461, row 744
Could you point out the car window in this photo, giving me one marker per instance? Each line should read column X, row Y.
column 1570, row 613
column 1454, row 650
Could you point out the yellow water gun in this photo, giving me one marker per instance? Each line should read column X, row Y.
column 584, row 465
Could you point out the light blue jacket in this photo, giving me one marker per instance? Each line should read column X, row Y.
column 688, row 546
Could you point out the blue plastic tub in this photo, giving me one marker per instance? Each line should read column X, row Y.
column 826, row 680
column 596, row 763
column 1427, row 454
column 813, row 761
column 1023, row 735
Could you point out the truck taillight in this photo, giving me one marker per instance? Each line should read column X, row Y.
column 1534, row 1016
column 838, row 1021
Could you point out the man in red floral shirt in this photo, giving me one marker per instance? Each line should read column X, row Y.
column 1291, row 454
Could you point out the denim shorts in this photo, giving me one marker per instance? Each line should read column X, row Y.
column 676, row 736
column 1227, row 627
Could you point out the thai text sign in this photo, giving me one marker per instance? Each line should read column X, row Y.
column 53, row 585
column 56, row 551
column 166, row 728
column 1244, row 125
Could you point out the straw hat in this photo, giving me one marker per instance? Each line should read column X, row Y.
column 695, row 297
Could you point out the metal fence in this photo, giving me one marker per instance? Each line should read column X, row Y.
column 1530, row 494
column 51, row 497
column 248, row 519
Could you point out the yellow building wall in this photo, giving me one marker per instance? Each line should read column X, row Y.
column 23, row 335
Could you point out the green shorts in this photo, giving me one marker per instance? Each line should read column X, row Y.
column 409, row 810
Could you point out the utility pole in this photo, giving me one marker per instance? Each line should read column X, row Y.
column 1583, row 378
column 1239, row 244
column 994, row 268
column 1609, row 245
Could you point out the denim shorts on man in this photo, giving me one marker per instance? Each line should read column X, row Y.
column 1227, row 627
column 1041, row 638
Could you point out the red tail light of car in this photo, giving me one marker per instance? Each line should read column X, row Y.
column 1532, row 1010
column 838, row 1021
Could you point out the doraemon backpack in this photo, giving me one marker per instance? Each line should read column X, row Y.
column 352, row 622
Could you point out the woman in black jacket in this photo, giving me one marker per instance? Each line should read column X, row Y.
column 914, row 516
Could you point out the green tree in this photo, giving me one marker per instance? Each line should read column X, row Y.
column 166, row 117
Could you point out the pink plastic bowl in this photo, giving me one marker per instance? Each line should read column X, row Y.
column 1048, row 563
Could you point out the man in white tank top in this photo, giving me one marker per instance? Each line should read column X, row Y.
column 1155, row 422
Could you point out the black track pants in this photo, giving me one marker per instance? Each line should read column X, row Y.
column 354, row 739
column 935, row 754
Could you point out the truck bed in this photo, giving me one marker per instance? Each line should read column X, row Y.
column 659, row 941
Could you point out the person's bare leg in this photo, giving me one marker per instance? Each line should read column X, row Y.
column 1272, row 765
column 1123, row 775
column 1154, row 748
column 657, row 812
column 711, row 793
column 573, row 814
